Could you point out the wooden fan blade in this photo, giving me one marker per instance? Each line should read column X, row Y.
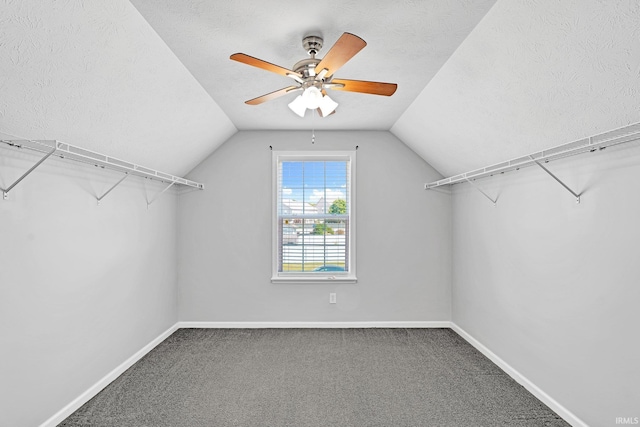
column 343, row 50
column 272, row 95
column 250, row 60
column 374, row 88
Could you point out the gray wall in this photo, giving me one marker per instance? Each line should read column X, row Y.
column 82, row 287
column 551, row 286
column 403, row 268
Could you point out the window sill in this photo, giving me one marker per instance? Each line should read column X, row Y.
column 314, row 280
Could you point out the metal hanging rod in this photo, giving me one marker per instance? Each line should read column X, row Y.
column 72, row 152
column 601, row 141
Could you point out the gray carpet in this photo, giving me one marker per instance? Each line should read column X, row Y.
column 314, row 378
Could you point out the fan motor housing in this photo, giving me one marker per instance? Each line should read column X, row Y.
column 312, row 44
column 306, row 67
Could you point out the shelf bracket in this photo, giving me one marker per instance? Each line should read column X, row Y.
column 576, row 195
column 5, row 192
column 483, row 193
column 160, row 194
column 126, row 175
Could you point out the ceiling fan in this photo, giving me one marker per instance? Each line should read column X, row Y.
column 314, row 76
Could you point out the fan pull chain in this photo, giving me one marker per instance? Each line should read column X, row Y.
column 313, row 133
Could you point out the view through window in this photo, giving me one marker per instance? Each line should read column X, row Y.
column 313, row 207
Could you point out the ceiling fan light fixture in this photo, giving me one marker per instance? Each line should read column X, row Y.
column 327, row 105
column 298, row 106
column 312, row 97
column 315, row 75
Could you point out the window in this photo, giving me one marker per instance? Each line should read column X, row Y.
column 313, row 227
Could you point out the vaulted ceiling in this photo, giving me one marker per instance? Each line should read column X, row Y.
column 479, row 81
column 532, row 75
column 407, row 43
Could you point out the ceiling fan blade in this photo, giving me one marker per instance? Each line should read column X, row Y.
column 250, row 60
column 343, row 50
column 374, row 88
column 272, row 95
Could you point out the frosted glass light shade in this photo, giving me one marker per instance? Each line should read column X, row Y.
column 298, row 106
column 313, row 99
column 327, row 105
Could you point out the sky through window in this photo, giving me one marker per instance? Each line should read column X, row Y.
column 311, row 181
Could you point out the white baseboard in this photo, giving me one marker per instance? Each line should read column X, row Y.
column 69, row 409
column 567, row 415
column 106, row 380
column 260, row 325
column 517, row 376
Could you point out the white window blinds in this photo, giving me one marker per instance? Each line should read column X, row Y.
column 313, row 230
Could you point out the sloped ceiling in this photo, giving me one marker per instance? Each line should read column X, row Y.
column 478, row 83
column 531, row 75
column 407, row 43
column 96, row 75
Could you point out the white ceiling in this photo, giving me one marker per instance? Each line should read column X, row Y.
column 531, row 75
column 407, row 43
column 478, row 83
column 96, row 75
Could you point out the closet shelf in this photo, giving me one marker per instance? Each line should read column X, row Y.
column 72, row 152
column 597, row 142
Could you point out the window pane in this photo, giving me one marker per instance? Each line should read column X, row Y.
column 311, row 187
column 313, row 245
column 313, row 212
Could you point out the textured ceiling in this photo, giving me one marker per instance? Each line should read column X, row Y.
column 478, row 83
column 96, row 75
column 532, row 75
column 407, row 43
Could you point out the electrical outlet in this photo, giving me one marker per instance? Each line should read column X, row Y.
column 332, row 298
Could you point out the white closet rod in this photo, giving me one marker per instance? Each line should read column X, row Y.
column 601, row 141
column 72, row 152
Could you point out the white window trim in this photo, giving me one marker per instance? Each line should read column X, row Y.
column 328, row 277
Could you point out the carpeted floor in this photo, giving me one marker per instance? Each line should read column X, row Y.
column 314, row 378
